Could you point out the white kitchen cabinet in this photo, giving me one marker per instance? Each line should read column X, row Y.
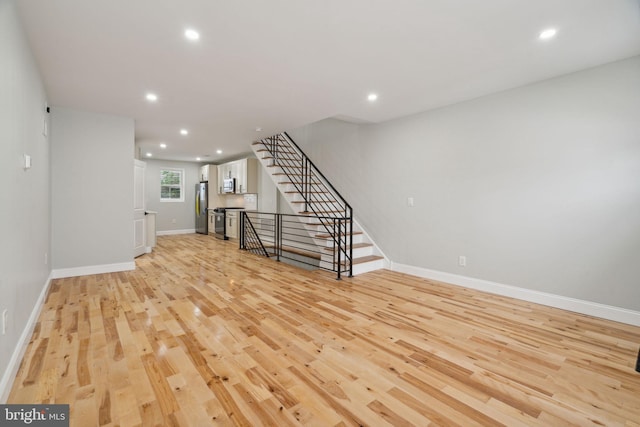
column 232, row 224
column 247, row 179
column 212, row 223
column 205, row 172
column 214, row 194
column 245, row 171
column 225, row 171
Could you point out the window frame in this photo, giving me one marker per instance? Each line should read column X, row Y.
column 181, row 185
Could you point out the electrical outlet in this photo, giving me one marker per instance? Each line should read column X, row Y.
column 46, row 258
column 462, row 261
column 5, row 317
column 173, row 221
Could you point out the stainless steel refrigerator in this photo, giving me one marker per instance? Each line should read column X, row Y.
column 202, row 195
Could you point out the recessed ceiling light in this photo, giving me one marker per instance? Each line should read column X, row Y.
column 152, row 97
column 219, row 151
column 184, row 132
column 258, row 129
column 163, row 145
column 198, row 158
column 547, row 34
column 191, row 34
column 372, row 97
column 149, row 154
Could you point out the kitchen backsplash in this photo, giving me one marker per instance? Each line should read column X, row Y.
column 251, row 202
column 246, row 201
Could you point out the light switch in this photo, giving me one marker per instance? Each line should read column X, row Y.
column 410, row 202
column 27, row 161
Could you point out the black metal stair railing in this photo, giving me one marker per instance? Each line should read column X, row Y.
column 319, row 197
column 285, row 237
column 249, row 238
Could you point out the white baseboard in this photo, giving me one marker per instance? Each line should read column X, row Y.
column 589, row 308
column 12, row 367
column 171, row 232
column 92, row 269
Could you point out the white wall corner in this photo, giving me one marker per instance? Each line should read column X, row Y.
column 20, row 349
column 589, row 308
column 92, row 269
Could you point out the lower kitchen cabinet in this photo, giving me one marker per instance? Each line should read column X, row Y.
column 232, row 224
column 212, row 223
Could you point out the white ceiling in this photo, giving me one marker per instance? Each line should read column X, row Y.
column 281, row 64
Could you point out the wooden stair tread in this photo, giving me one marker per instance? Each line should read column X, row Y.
column 361, row 260
column 328, row 236
column 367, row 258
column 355, row 246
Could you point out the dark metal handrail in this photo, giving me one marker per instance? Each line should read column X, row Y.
column 315, row 168
column 285, row 237
column 319, row 195
column 249, row 233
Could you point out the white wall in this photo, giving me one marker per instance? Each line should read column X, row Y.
column 25, row 196
column 92, row 187
column 267, row 191
column 539, row 187
column 182, row 212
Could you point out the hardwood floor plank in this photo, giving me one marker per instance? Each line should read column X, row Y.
column 202, row 334
column 161, row 388
column 36, row 361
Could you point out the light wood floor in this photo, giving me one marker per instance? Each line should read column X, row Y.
column 203, row 334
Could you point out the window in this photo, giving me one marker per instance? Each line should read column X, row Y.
column 172, row 185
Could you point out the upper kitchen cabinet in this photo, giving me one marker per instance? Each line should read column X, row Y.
column 245, row 172
column 247, row 179
column 207, row 171
column 214, row 182
column 225, row 171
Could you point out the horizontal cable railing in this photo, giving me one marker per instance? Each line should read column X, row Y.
column 287, row 237
column 318, row 197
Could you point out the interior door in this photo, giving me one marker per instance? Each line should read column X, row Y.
column 139, row 229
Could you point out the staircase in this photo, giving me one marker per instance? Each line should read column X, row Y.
column 319, row 206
